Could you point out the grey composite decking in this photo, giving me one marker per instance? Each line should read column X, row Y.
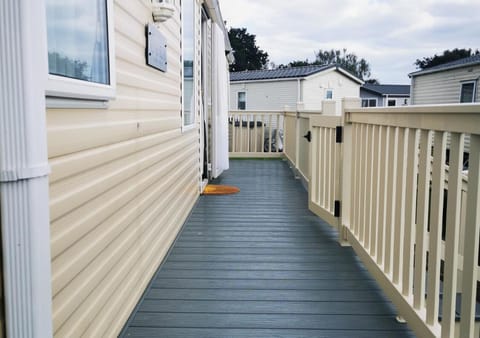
column 260, row 264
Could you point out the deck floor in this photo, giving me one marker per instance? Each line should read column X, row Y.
column 260, row 264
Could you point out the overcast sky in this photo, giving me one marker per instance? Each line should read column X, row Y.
column 389, row 34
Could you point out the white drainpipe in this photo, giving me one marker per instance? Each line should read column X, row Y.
column 24, row 170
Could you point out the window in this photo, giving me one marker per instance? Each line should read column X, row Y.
column 369, row 102
column 467, row 94
column 188, row 53
column 241, row 101
column 329, row 94
column 80, row 51
column 392, row 103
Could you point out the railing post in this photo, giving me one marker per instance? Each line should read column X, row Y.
column 297, row 142
column 328, row 107
column 346, row 155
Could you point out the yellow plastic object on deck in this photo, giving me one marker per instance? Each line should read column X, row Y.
column 212, row 189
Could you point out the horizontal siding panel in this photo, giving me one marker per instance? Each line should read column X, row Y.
column 75, row 136
column 80, row 221
column 98, row 273
column 69, row 194
column 75, row 163
column 443, row 87
column 265, row 95
column 147, row 86
column 139, row 11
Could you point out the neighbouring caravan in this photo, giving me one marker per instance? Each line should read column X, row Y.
column 113, row 117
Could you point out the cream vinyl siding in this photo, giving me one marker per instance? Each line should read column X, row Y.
column 268, row 95
column 316, row 86
column 123, row 181
column 443, row 87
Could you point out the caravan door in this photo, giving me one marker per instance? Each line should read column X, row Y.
column 219, row 117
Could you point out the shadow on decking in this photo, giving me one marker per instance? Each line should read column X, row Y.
column 260, row 264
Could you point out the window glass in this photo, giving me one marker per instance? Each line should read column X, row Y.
column 188, row 48
column 329, row 94
column 77, row 36
column 392, row 103
column 242, row 101
column 369, row 102
column 467, row 94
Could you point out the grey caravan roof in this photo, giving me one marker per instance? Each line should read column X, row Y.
column 465, row 62
column 388, row 89
column 285, row 73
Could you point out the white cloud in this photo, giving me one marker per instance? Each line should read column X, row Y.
column 391, row 35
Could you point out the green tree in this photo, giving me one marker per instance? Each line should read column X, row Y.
column 447, row 56
column 357, row 66
column 248, row 56
column 296, row 63
column 349, row 61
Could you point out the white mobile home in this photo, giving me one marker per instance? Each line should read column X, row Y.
column 105, row 109
column 452, row 82
column 385, row 95
column 302, row 87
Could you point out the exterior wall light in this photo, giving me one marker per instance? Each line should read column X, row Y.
column 162, row 10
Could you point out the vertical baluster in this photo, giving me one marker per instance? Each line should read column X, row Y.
column 375, row 189
column 249, row 134
column 422, row 218
column 391, row 194
column 270, row 132
column 399, row 224
column 354, row 180
column 411, row 198
column 262, row 119
column 382, row 195
column 334, row 170
column 315, row 174
column 452, row 235
column 435, row 238
column 277, row 134
column 241, row 132
column 362, row 162
column 255, row 131
column 323, row 165
column 368, row 186
column 328, row 172
column 472, row 230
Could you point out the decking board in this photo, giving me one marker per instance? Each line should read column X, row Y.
column 260, row 264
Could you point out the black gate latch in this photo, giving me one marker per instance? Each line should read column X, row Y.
column 308, row 136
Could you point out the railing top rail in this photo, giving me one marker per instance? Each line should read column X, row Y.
column 454, row 108
column 256, row 112
column 457, row 118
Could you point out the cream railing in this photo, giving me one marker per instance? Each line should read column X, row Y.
column 412, row 219
column 394, row 179
column 256, row 133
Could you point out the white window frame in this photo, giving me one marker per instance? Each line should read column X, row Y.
column 67, row 88
column 193, row 125
column 474, row 94
column 326, row 93
column 394, row 100
column 238, row 99
column 368, row 99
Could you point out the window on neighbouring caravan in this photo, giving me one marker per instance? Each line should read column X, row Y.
column 242, row 101
column 329, row 94
column 392, row 103
column 467, row 94
column 188, row 54
column 80, row 51
column 369, row 102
